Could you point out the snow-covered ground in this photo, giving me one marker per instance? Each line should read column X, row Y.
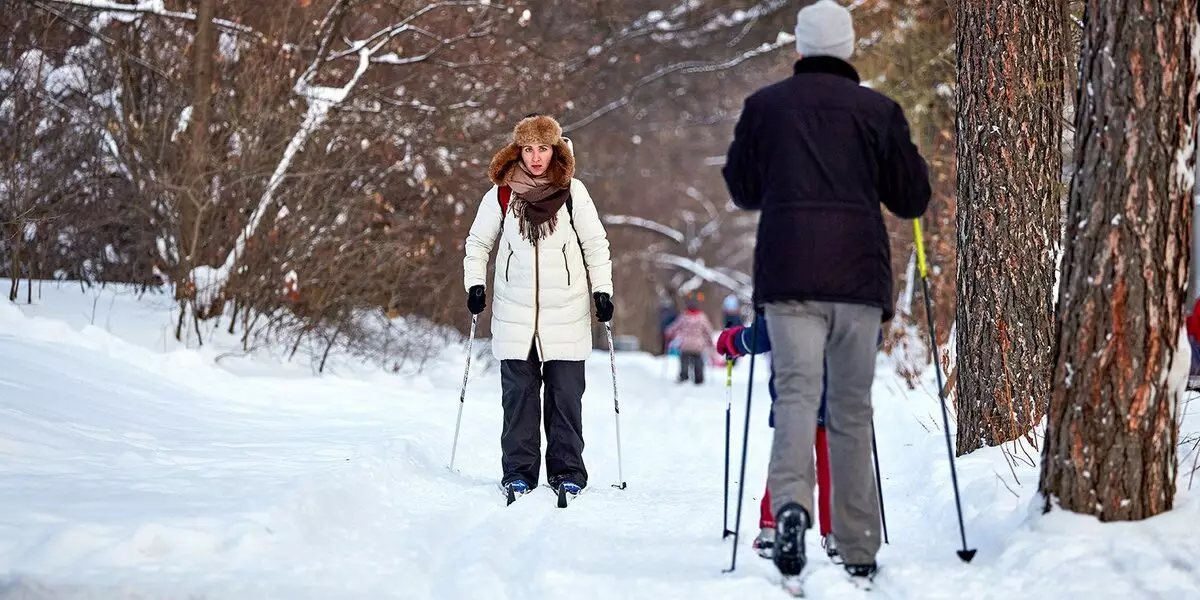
column 131, row 467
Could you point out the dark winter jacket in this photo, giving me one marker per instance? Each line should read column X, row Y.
column 817, row 153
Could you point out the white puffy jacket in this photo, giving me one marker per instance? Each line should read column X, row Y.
column 540, row 295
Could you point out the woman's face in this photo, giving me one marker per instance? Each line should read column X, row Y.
column 537, row 158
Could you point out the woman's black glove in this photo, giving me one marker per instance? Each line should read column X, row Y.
column 476, row 299
column 604, row 307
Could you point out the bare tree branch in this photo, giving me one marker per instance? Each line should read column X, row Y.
column 647, row 224
column 154, row 8
column 684, row 68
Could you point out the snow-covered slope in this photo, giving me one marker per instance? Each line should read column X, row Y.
column 133, row 468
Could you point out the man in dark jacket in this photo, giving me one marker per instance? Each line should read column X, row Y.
column 817, row 154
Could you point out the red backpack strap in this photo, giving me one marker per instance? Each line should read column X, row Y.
column 505, row 196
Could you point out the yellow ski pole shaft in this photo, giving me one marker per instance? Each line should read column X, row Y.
column 922, row 267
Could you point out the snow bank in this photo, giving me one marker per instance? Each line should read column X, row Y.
column 135, row 467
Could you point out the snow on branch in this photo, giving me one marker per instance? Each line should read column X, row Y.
column 683, row 68
column 156, row 8
column 321, row 100
column 679, row 24
column 736, row 284
column 406, row 26
column 642, row 223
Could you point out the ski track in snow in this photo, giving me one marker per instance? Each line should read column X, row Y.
column 131, row 467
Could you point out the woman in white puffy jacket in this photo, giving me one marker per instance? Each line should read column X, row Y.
column 552, row 244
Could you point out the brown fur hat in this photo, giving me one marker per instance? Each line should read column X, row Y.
column 533, row 131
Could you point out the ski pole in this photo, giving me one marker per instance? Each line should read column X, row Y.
column 728, row 409
column 737, row 523
column 965, row 554
column 462, row 397
column 612, row 359
column 879, row 484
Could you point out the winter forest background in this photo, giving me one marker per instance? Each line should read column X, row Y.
column 304, row 171
column 341, row 148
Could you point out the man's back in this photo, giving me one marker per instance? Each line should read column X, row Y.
column 818, row 153
column 823, row 136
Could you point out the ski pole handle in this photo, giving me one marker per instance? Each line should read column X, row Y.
column 921, row 265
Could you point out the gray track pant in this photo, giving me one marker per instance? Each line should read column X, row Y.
column 806, row 336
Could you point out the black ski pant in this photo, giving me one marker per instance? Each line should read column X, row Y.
column 522, row 383
column 691, row 363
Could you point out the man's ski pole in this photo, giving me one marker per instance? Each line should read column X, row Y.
column 462, row 397
column 879, row 484
column 737, row 516
column 728, row 412
column 965, row 554
column 612, row 358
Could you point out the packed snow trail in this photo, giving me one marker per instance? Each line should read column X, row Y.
column 127, row 471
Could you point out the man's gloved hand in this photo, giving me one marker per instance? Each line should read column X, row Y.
column 604, row 307
column 476, row 299
column 725, row 345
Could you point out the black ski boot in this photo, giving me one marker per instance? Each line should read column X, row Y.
column 790, row 525
column 515, row 489
column 863, row 575
column 830, row 546
column 764, row 544
column 566, row 491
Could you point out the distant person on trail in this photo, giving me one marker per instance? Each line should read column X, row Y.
column 817, row 153
column 551, row 243
column 666, row 316
column 1193, row 334
column 738, row 341
column 731, row 310
column 694, row 332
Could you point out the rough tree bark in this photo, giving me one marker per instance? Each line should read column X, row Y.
column 1112, row 430
column 1010, row 101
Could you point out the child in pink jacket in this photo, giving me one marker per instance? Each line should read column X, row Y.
column 694, row 333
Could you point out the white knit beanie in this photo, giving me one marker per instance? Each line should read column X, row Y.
column 825, row 28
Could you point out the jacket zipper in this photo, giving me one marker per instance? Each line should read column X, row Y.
column 537, row 308
column 567, row 265
column 508, row 263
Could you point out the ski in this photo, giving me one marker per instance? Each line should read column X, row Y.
column 793, row 585
column 763, row 546
column 865, row 583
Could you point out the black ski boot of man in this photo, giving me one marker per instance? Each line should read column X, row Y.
column 863, row 572
column 830, row 546
column 790, row 525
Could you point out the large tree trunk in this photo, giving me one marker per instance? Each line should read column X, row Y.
column 1194, row 279
column 1010, row 101
column 1112, row 430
